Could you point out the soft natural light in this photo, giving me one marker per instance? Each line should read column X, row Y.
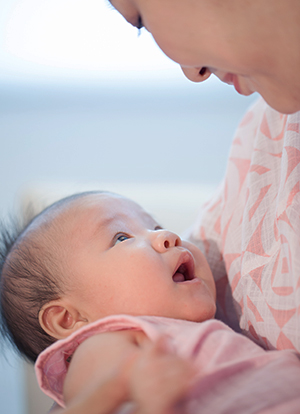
column 88, row 37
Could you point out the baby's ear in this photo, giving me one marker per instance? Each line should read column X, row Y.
column 59, row 319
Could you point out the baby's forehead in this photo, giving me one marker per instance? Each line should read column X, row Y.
column 72, row 224
column 109, row 208
column 100, row 210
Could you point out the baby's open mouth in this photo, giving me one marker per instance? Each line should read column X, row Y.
column 184, row 269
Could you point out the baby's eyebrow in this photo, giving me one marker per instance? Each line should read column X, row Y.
column 104, row 223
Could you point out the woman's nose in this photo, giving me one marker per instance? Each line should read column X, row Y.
column 162, row 240
column 196, row 74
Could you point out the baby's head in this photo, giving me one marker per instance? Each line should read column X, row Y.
column 92, row 255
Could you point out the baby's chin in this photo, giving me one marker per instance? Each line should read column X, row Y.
column 208, row 314
column 204, row 314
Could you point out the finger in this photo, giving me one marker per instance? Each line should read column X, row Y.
column 161, row 345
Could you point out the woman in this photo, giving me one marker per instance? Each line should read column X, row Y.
column 250, row 231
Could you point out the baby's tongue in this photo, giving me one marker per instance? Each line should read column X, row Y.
column 178, row 277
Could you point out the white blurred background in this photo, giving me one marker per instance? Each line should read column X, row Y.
column 84, row 98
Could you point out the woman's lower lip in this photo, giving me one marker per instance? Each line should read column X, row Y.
column 236, row 85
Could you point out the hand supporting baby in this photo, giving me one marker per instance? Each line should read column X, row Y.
column 159, row 379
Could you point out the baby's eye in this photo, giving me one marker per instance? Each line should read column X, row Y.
column 158, row 228
column 120, row 238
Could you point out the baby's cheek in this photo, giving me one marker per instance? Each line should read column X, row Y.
column 209, row 280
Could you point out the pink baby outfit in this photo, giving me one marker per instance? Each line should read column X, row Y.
column 234, row 374
column 250, row 230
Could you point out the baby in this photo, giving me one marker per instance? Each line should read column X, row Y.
column 125, row 298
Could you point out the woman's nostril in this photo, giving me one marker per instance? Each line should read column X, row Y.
column 202, row 71
column 166, row 244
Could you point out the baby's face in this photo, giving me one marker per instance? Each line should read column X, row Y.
column 122, row 262
column 229, row 39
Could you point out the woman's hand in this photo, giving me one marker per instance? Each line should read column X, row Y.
column 159, row 380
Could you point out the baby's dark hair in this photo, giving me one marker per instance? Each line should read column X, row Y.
column 31, row 275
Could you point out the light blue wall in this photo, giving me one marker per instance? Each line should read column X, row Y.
column 124, row 132
column 11, row 383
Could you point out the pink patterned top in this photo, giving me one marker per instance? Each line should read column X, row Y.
column 250, row 230
column 234, row 375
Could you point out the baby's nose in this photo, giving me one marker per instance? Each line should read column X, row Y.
column 162, row 240
column 196, row 74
